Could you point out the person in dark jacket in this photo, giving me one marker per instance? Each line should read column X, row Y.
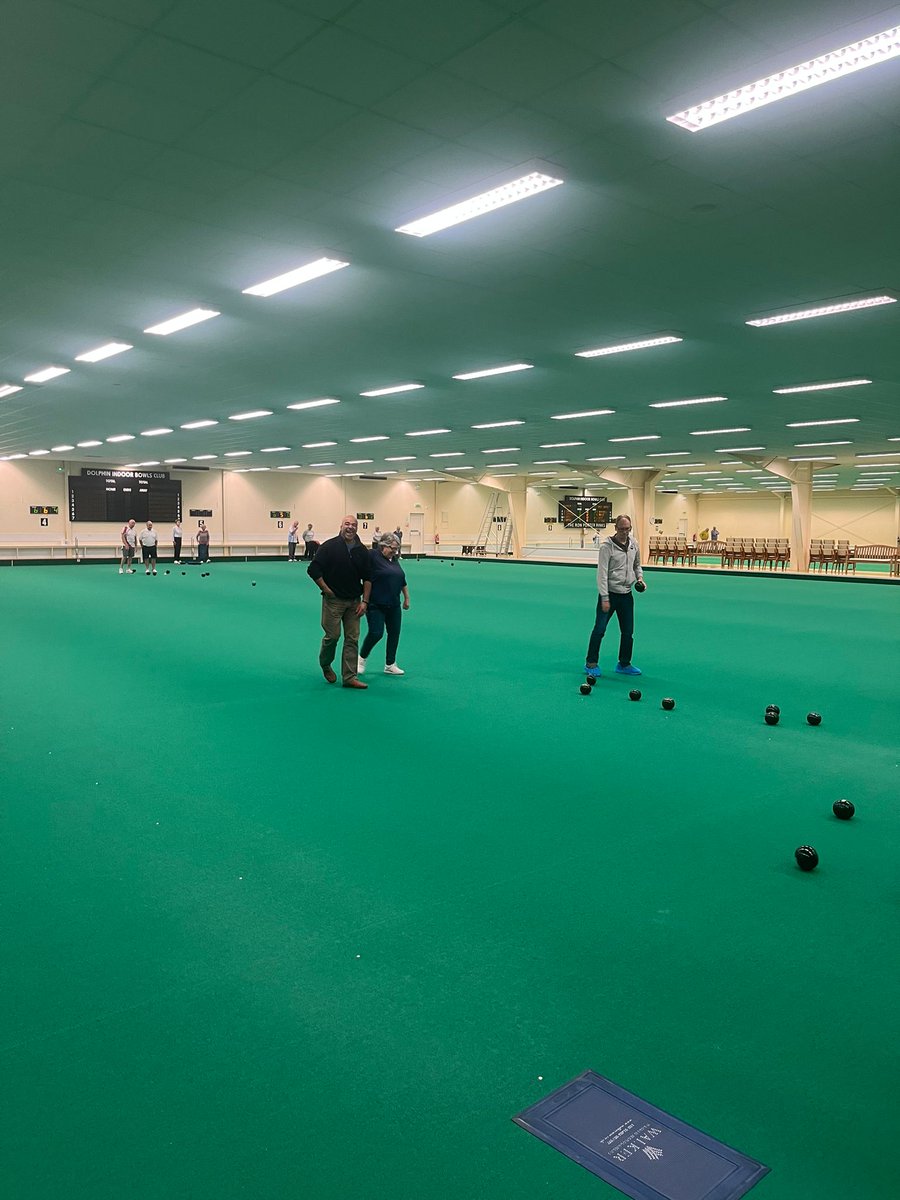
column 340, row 570
column 383, row 611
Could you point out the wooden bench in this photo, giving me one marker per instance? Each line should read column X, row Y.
column 873, row 554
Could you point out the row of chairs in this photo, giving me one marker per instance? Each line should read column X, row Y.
column 755, row 553
column 660, row 549
column 827, row 554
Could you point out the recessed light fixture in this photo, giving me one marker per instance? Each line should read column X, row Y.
column 644, row 437
column 494, row 465
column 711, row 432
column 357, row 462
column 809, row 445
column 669, row 453
column 814, row 458
column 624, row 347
column 204, row 457
column 60, row 449
column 823, row 310
column 496, row 371
column 609, row 458
column 835, row 421
column 293, row 466
column 317, row 445
column 199, row 424
column 644, row 468
column 558, row 445
column 685, row 403
column 37, row 453
column 820, row 387
column 426, row 432
column 151, row 462
column 121, row 437
column 87, row 445
column 273, row 449
column 173, row 461
column 281, row 283
column 459, row 468
column 391, row 391
column 313, row 404
column 402, row 458
column 379, row 437
column 868, row 52
column 594, row 412
column 502, row 450
column 193, row 317
column 549, row 462
column 508, row 193
column 890, row 454
column 102, row 352
column 498, row 424
column 45, row 375
column 737, row 449
column 156, row 432
column 8, row 389
column 322, row 464
column 447, row 454
column 419, row 470
column 250, row 416
column 237, row 453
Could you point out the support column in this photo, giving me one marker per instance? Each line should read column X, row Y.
column 641, row 503
column 518, row 512
column 799, row 476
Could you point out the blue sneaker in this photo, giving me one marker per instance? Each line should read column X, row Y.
column 626, row 670
column 592, row 672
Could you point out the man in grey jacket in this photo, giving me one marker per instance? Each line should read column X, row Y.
column 618, row 571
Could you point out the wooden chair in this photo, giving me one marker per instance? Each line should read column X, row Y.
column 841, row 556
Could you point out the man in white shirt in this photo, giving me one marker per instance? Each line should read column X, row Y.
column 149, row 541
column 618, row 571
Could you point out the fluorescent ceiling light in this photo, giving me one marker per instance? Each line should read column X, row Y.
column 541, row 474
column 426, row 432
column 809, row 445
column 204, row 457
column 594, row 412
column 737, row 449
column 293, row 467
column 199, row 424
column 357, row 462
column 868, row 52
column 504, row 450
column 8, row 389
column 447, row 454
column 669, row 453
column 173, row 461
column 156, row 432
column 45, row 375
column 634, row 468
column 498, row 424
column 317, row 445
column 459, row 468
column 60, row 449
column 644, row 437
column 151, row 462
column 835, row 421
column 85, row 445
column 194, row 317
column 379, row 437
column 681, row 466
column 684, row 403
column 313, row 404
column 890, row 454
column 391, row 391
column 710, row 432
column 549, row 462
column 322, row 464
column 121, row 437
column 823, row 310
column 37, row 453
column 102, row 352
column 820, row 387
column 419, row 470
column 280, row 283
column 558, row 445
column 402, row 458
column 609, row 458
column 273, row 449
column 237, row 453
column 250, row 416
column 814, row 458
column 496, row 371
column 13, row 457
column 493, row 466
column 509, row 193
column 623, row 347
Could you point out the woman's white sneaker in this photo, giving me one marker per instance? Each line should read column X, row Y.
column 393, row 669
column 360, row 666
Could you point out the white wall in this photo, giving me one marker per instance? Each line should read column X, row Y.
column 241, row 504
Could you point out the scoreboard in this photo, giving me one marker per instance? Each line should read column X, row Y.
column 585, row 512
column 100, row 495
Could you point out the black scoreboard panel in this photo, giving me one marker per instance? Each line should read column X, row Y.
column 583, row 512
column 99, row 498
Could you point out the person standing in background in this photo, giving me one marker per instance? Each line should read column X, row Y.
column 293, row 538
column 176, row 542
column 129, row 543
column 310, row 541
column 149, row 539
column 202, row 543
column 714, row 534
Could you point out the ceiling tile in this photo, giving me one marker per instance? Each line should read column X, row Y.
column 58, row 33
column 257, row 34
column 430, row 33
column 114, row 105
column 587, row 23
column 350, row 67
column 443, row 104
column 181, row 73
column 520, row 61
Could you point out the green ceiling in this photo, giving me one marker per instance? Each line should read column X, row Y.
column 161, row 155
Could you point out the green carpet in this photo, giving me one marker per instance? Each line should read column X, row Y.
column 268, row 938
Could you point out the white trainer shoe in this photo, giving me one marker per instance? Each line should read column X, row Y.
column 121, row 570
column 360, row 666
column 393, row 669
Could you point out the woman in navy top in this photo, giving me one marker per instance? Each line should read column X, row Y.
column 383, row 611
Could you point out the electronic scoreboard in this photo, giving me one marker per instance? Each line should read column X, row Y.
column 585, row 512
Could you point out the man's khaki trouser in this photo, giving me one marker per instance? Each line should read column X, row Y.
column 336, row 613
